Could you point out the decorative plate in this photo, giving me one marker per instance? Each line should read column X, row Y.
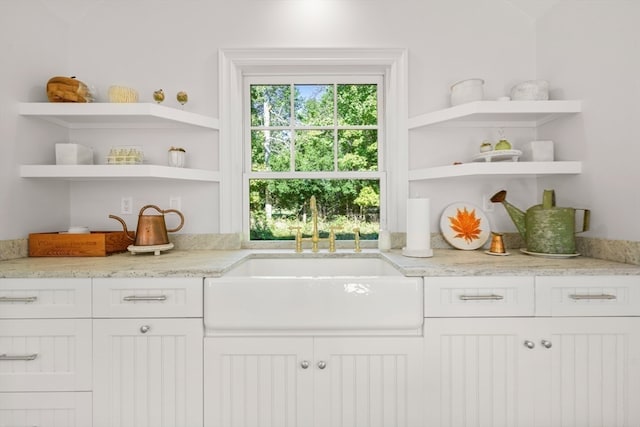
column 464, row 226
column 525, row 251
column 488, row 156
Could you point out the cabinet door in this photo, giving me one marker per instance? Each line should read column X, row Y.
column 266, row 382
column 147, row 372
column 45, row 355
column 592, row 374
column 479, row 372
column 368, row 382
column 45, row 409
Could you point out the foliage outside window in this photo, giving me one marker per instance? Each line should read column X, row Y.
column 319, row 139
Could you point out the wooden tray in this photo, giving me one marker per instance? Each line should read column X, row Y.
column 96, row 243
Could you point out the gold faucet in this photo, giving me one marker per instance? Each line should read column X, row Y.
column 315, row 236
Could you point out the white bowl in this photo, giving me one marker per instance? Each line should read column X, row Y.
column 531, row 90
column 467, row 91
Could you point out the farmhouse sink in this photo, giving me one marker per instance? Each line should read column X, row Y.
column 313, row 294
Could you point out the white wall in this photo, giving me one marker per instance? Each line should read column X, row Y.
column 173, row 45
column 589, row 51
column 33, row 47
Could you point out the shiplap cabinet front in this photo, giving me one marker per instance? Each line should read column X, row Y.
column 45, row 409
column 535, row 371
column 147, row 372
column 313, row 382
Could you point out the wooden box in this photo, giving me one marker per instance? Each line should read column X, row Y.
column 96, row 243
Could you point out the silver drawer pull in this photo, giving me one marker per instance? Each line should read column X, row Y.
column 19, row 357
column 597, row 296
column 25, row 300
column 145, row 298
column 491, row 297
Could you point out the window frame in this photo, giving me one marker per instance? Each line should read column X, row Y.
column 235, row 65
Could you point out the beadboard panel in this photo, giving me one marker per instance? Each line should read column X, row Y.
column 150, row 378
column 45, row 409
column 50, row 298
column 45, row 355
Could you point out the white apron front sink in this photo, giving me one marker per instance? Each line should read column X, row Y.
column 313, row 294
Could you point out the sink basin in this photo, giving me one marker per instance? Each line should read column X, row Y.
column 332, row 295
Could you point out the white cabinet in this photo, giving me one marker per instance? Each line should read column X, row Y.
column 497, row 114
column 147, row 352
column 534, row 371
column 147, row 372
column 313, row 381
column 45, row 352
column 116, row 116
column 45, row 409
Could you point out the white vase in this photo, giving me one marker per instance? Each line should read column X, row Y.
column 177, row 158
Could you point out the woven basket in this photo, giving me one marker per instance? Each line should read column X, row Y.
column 67, row 89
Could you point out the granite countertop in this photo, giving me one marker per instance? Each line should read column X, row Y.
column 213, row 263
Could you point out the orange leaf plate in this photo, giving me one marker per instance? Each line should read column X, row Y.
column 464, row 226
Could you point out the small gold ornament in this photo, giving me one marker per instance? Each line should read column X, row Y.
column 158, row 96
column 182, row 97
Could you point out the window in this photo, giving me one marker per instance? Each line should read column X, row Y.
column 313, row 136
column 238, row 66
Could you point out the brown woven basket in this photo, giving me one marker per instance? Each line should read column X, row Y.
column 67, row 89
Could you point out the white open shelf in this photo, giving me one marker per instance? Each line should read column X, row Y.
column 522, row 169
column 115, row 172
column 497, row 114
column 97, row 115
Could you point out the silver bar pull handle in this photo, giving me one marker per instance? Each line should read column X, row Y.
column 19, row 357
column 578, row 297
column 491, row 297
column 145, row 298
column 25, row 300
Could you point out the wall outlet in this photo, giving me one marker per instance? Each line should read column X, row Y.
column 487, row 204
column 126, row 205
column 175, row 202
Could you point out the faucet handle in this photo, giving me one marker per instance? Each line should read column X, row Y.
column 356, row 239
column 298, row 231
column 332, row 237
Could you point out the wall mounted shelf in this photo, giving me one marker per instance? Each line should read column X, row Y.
column 105, row 115
column 497, row 114
column 116, row 172
column 520, row 169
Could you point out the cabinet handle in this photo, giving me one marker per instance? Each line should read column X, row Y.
column 304, row 364
column 545, row 343
column 145, row 298
column 529, row 344
column 587, row 297
column 25, row 300
column 19, row 357
column 322, row 364
column 145, row 328
column 491, row 297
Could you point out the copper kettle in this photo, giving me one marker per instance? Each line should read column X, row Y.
column 152, row 229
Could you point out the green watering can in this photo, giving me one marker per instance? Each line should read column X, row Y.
column 545, row 228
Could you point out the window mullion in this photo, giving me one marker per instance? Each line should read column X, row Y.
column 292, row 130
column 335, row 126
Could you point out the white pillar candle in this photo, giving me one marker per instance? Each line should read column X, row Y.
column 418, row 229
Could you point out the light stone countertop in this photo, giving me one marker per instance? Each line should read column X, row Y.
column 213, row 263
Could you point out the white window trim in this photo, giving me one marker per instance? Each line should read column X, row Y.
column 234, row 64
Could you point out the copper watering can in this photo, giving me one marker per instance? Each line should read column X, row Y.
column 152, row 229
column 545, row 228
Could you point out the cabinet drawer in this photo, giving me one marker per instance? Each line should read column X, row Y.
column 45, row 409
column 166, row 297
column 45, row 298
column 478, row 296
column 588, row 296
column 45, row 355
